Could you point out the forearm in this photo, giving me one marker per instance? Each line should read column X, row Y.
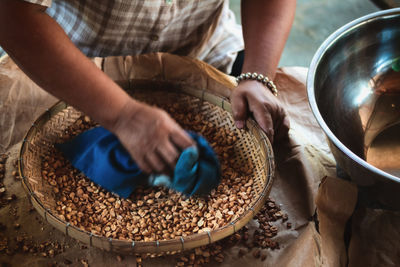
column 266, row 26
column 41, row 48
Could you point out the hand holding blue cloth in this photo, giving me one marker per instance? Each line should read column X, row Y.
column 102, row 158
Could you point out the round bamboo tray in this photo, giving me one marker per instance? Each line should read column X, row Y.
column 251, row 145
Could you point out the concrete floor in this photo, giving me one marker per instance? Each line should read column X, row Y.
column 315, row 20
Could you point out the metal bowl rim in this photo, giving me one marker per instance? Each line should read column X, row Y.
column 311, row 92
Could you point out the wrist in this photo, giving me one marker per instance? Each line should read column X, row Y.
column 128, row 108
column 265, row 67
column 256, row 77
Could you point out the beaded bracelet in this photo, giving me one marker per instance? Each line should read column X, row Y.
column 258, row 77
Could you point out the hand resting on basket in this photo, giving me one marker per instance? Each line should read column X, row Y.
column 102, row 158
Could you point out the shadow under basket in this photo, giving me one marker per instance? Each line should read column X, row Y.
column 252, row 146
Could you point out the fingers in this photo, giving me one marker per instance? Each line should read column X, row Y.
column 155, row 162
column 165, row 155
column 169, row 154
column 265, row 121
column 152, row 138
column 239, row 110
column 160, row 160
column 144, row 166
column 181, row 139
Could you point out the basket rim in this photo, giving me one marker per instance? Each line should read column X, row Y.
column 203, row 238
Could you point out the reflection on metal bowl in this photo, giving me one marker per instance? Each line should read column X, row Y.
column 353, row 88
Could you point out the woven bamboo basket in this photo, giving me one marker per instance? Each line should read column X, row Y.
column 252, row 145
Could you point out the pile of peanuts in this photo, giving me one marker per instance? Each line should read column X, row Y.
column 159, row 214
column 270, row 219
column 151, row 213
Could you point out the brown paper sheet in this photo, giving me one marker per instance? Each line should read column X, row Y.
column 375, row 238
column 336, row 201
column 301, row 163
column 21, row 101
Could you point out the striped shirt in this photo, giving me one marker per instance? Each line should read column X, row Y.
column 203, row 29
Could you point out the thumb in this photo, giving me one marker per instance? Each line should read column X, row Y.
column 239, row 110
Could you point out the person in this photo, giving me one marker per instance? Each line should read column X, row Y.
column 51, row 41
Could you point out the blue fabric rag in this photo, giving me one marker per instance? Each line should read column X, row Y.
column 102, row 158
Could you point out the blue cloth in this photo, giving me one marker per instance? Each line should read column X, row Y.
column 102, row 158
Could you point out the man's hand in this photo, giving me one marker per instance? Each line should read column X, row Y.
column 151, row 136
column 254, row 98
column 266, row 26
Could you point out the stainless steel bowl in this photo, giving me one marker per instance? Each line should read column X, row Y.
column 353, row 89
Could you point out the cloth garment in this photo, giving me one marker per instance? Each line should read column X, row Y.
column 102, row 158
column 197, row 170
column 238, row 64
column 202, row 29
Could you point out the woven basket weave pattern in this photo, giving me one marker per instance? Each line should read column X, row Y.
column 252, row 146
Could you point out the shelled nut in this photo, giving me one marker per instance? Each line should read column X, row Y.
column 87, row 206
